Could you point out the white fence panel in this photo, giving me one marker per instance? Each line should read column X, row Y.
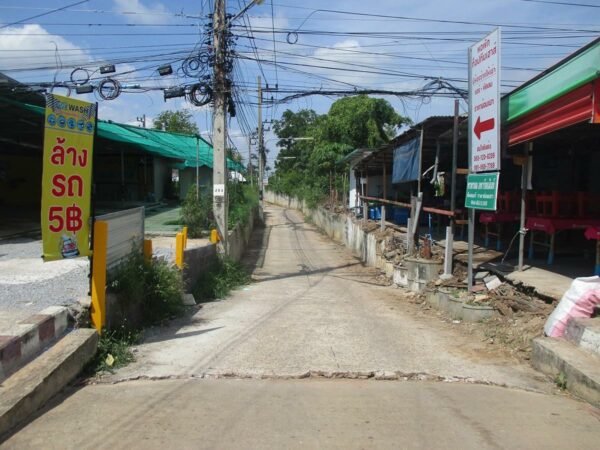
column 125, row 230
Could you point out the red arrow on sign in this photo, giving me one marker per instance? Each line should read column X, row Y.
column 481, row 127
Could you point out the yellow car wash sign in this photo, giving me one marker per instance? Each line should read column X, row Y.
column 66, row 178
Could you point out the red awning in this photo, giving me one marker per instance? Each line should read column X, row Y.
column 580, row 105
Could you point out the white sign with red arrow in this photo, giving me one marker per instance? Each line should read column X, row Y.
column 484, row 103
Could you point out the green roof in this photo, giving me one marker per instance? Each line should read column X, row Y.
column 574, row 71
column 177, row 146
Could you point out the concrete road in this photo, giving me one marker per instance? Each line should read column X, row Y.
column 297, row 344
column 308, row 414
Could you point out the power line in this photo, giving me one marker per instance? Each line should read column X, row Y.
column 586, row 5
column 44, row 14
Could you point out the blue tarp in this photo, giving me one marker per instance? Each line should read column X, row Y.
column 406, row 161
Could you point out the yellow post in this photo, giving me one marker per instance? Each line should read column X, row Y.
column 147, row 250
column 214, row 236
column 98, row 314
column 179, row 250
column 185, row 231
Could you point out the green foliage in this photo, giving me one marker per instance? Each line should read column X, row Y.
column 308, row 168
column 219, row 280
column 180, row 121
column 113, row 350
column 242, row 198
column 561, row 380
column 360, row 121
column 156, row 286
column 197, row 214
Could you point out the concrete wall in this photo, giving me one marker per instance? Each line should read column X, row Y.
column 187, row 179
column 162, row 175
column 197, row 260
column 240, row 236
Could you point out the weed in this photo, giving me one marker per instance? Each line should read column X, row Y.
column 220, row 279
column 113, row 350
column 242, row 199
column 156, row 286
column 163, row 292
column 561, row 380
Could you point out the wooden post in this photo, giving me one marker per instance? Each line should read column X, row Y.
column 147, row 250
column 420, row 162
column 98, row 314
column 454, row 164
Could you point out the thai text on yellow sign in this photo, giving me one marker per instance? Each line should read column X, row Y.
column 67, row 177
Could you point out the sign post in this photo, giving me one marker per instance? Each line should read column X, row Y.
column 66, row 179
column 484, row 131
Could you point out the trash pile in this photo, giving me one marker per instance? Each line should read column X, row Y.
column 395, row 247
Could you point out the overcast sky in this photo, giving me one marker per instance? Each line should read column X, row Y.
column 401, row 46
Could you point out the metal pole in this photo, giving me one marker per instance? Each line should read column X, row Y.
column 524, row 172
column 220, row 125
column 454, row 164
column 197, row 167
column 471, row 232
column 471, row 244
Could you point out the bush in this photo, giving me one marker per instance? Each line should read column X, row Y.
column 242, row 199
column 156, row 286
column 220, row 279
column 197, row 213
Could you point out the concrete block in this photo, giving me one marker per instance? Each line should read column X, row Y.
column 32, row 386
column 585, row 333
column 477, row 313
column 30, row 340
column 61, row 318
column 189, row 300
column 580, row 367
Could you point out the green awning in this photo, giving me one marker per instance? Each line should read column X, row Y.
column 576, row 70
column 181, row 147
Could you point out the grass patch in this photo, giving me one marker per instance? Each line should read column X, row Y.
column 220, row 279
column 174, row 222
column 114, row 350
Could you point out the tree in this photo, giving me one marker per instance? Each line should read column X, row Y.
column 308, row 168
column 360, row 121
column 180, row 121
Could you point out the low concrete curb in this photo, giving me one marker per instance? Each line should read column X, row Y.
column 31, row 387
column 580, row 368
column 28, row 337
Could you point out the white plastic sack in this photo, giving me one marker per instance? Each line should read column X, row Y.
column 578, row 301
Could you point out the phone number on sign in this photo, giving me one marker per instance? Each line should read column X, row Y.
column 484, row 157
column 484, row 166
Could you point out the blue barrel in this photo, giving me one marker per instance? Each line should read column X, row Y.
column 401, row 216
column 378, row 212
column 371, row 212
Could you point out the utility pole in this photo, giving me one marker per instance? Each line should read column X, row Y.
column 250, row 159
column 142, row 120
column 261, row 162
column 220, row 124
